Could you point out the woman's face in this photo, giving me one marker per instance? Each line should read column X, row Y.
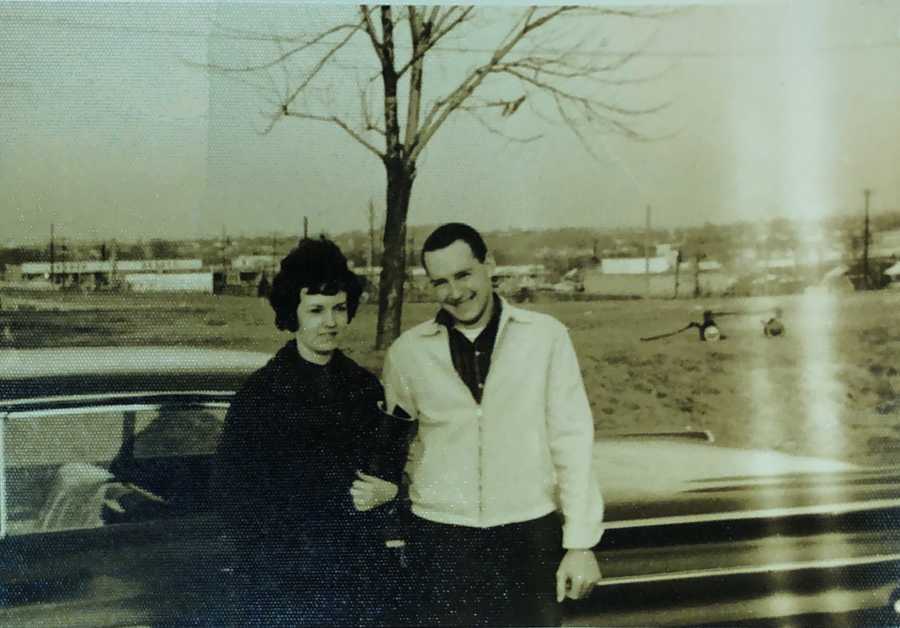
column 322, row 318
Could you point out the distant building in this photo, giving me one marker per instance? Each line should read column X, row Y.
column 636, row 265
column 508, row 279
column 95, row 274
column 894, row 273
column 247, row 272
column 656, row 277
column 885, row 244
column 171, row 282
column 665, row 250
column 705, row 265
column 416, row 279
column 254, row 262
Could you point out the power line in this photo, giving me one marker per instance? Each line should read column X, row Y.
column 213, row 33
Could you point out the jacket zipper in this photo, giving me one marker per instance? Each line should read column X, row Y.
column 480, row 415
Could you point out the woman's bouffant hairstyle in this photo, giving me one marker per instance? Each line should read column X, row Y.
column 321, row 268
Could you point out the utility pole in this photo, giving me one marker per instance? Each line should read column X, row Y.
column 274, row 267
column 647, row 255
column 305, row 227
column 677, row 270
column 697, row 259
column 866, row 236
column 52, row 257
column 113, row 256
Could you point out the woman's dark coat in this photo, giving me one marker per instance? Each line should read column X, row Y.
column 294, row 437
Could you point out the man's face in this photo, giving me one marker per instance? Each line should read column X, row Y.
column 462, row 283
column 322, row 318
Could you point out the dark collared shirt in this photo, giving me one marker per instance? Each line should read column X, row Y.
column 472, row 360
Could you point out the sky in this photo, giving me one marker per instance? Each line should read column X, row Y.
column 113, row 125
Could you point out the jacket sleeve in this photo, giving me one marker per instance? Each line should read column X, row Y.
column 238, row 491
column 386, row 437
column 571, row 439
column 398, row 393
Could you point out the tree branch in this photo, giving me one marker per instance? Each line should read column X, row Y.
column 367, row 118
column 285, row 55
column 589, row 103
column 340, row 123
column 495, row 131
column 321, row 63
column 437, row 33
column 443, row 108
column 573, row 127
column 373, row 37
column 420, row 34
column 563, row 69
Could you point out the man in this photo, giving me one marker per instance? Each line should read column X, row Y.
column 504, row 441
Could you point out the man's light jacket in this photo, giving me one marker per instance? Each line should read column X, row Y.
column 524, row 452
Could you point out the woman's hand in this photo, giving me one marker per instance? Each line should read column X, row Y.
column 370, row 492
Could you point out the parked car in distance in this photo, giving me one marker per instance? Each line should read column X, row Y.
column 106, row 518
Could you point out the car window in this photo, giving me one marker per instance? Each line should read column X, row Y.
column 90, row 467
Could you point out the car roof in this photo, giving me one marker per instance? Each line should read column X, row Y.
column 41, row 373
column 26, row 363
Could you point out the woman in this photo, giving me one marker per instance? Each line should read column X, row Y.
column 304, row 518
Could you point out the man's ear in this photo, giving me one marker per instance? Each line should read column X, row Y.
column 489, row 262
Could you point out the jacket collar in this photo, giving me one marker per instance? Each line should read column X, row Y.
column 507, row 313
column 288, row 358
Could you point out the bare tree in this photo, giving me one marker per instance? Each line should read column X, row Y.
column 372, row 214
column 560, row 83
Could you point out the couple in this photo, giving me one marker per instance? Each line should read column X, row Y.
column 505, row 508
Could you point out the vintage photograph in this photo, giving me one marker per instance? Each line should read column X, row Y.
column 323, row 314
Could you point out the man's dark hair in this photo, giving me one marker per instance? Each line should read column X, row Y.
column 448, row 233
column 321, row 268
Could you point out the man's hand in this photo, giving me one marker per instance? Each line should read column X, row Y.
column 370, row 492
column 577, row 574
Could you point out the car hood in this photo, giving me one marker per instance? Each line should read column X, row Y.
column 648, row 481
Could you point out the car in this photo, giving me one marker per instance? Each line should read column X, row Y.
column 106, row 520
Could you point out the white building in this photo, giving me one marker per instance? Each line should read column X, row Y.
column 894, row 273
column 92, row 274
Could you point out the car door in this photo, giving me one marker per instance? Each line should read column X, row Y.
column 106, row 516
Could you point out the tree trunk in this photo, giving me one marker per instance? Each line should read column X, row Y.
column 400, row 177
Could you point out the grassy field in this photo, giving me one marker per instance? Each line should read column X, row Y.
column 829, row 387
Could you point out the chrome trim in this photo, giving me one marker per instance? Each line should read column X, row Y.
column 836, row 563
column 766, row 513
column 93, row 397
column 702, row 435
column 104, row 408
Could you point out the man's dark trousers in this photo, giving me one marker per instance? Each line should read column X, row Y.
column 499, row 576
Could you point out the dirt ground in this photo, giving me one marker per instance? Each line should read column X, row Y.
column 830, row 386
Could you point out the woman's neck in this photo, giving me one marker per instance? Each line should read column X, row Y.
column 313, row 357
